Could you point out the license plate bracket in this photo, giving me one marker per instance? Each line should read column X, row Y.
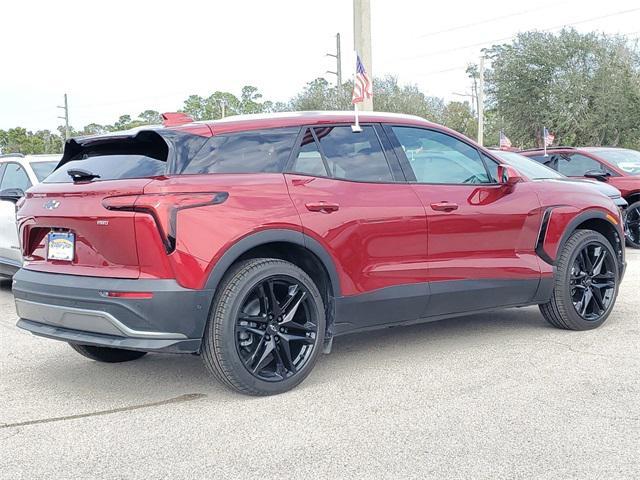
column 61, row 246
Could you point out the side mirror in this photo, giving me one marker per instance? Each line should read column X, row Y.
column 509, row 176
column 11, row 194
column 597, row 175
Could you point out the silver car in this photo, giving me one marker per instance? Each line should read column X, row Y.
column 17, row 173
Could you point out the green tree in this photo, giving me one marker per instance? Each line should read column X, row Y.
column 459, row 117
column 583, row 87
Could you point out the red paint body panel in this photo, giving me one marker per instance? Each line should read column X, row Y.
column 377, row 237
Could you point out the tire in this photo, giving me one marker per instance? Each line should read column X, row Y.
column 560, row 311
column 632, row 214
column 107, row 355
column 228, row 343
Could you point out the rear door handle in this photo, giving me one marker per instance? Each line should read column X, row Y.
column 444, row 206
column 323, row 207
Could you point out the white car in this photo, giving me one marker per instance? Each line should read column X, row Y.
column 17, row 173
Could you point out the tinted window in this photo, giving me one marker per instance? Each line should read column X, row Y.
column 309, row 160
column 540, row 158
column 260, row 151
column 438, row 158
column 43, row 169
column 354, row 156
column 111, row 167
column 576, row 165
column 15, row 177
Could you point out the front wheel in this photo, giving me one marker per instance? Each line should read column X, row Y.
column 632, row 225
column 266, row 327
column 586, row 283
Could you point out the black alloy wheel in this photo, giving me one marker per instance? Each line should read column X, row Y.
column 593, row 281
column 632, row 225
column 276, row 331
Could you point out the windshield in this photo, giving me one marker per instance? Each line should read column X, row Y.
column 626, row 160
column 43, row 169
column 526, row 166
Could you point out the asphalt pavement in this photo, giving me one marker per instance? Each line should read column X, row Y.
column 492, row 396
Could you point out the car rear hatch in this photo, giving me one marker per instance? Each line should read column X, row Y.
column 65, row 225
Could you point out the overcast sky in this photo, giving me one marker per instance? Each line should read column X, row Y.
column 118, row 57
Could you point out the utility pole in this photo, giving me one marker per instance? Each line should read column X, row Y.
column 223, row 104
column 338, row 57
column 65, row 118
column 481, row 102
column 362, row 40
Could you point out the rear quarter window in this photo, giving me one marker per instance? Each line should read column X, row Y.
column 259, row 151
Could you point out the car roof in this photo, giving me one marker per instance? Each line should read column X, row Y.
column 294, row 119
column 19, row 157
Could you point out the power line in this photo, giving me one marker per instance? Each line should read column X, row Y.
column 493, row 19
column 486, row 42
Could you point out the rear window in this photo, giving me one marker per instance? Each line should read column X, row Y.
column 111, row 167
column 260, row 151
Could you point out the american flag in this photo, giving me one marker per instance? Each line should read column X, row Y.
column 361, row 84
column 547, row 137
column 504, row 140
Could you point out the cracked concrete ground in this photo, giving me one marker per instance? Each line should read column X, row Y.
column 499, row 395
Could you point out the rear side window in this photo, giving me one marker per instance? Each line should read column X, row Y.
column 345, row 154
column 43, row 169
column 260, row 151
column 111, row 167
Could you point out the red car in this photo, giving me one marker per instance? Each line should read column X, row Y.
column 253, row 241
column 618, row 166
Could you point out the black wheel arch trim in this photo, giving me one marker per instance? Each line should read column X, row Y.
column 569, row 229
column 264, row 237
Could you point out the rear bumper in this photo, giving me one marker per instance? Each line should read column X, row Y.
column 73, row 309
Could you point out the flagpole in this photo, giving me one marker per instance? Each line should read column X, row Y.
column 356, row 127
column 544, row 139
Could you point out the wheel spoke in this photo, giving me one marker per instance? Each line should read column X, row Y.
column 597, row 297
column 586, row 261
column 263, row 299
column 288, row 315
column 288, row 337
column 275, row 305
column 285, row 351
column 255, row 331
column 599, row 261
column 293, row 291
column 307, row 327
column 253, row 318
column 265, row 358
column 586, row 300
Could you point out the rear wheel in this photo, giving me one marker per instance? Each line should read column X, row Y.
column 266, row 327
column 586, row 283
column 105, row 354
column 632, row 225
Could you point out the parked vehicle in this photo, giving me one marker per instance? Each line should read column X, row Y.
column 17, row 173
column 619, row 167
column 536, row 171
column 255, row 240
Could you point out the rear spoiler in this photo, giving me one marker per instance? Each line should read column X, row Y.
column 163, row 144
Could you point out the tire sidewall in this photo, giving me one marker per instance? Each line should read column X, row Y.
column 226, row 312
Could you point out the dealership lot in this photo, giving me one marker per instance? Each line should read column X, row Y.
column 499, row 395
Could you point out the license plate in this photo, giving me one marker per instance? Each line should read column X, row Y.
column 61, row 246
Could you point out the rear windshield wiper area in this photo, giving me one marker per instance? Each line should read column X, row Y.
column 78, row 175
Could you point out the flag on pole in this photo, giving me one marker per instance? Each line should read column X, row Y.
column 504, row 141
column 548, row 137
column 361, row 83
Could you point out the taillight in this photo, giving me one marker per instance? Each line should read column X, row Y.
column 164, row 209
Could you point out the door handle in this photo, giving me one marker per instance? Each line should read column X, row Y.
column 444, row 206
column 323, row 207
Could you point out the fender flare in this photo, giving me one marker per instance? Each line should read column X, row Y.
column 269, row 236
column 569, row 229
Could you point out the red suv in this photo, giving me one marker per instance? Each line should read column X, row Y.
column 253, row 241
column 618, row 166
